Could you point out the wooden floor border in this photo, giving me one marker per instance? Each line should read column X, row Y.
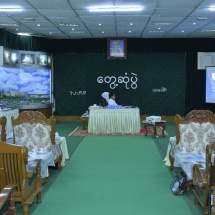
column 78, row 118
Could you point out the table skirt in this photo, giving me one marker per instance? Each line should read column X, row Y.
column 114, row 121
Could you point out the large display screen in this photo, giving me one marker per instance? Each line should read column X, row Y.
column 31, row 81
column 210, row 85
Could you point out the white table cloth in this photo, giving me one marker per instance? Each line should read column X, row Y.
column 187, row 160
column 63, row 146
column 114, row 121
column 8, row 114
column 47, row 160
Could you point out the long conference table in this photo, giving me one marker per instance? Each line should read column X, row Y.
column 114, row 121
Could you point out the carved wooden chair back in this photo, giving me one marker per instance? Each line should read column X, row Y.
column 3, row 121
column 200, row 116
column 35, row 117
column 13, row 170
column 104, row 102
column 34, row 130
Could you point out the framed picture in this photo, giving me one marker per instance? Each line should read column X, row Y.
column 116, row 48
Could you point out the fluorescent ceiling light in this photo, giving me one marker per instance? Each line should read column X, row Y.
column 212, row 8
column 11, row 9
column 115, row 8
column 24, row 34
column 209, row 30
column 163, row 23
column 202, row 18
column 8, row 24
column 68, row 24
column 155, row 31
column 76, row 32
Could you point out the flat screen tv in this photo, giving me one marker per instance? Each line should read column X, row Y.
column 27, row 58
column 210, row 85
column 49, row 61
column 6, row 57
column 14, row 57
column 42, row 60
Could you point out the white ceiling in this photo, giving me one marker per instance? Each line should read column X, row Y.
column 182, row 14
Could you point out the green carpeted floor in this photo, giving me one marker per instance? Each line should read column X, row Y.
column 112, row 176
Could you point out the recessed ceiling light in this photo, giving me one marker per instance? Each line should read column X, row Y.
column 38, row 25
column 131, row 23
column 50, row 32
column 194, row 23
column 68, row 24
column 159, row 28
column 17, row 29
column 11, row 9
column 115, row 8
column 182, row 31
column 8, row 24
column 73, row 29
column 129, row 31
column 100, row 24
column 103, row 32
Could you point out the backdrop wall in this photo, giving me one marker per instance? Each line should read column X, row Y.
column 155, row 82
column 195, row 79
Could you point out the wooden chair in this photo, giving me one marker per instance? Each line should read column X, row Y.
column 33, row 130
column 200, row 116
column 14, row 169
column 104, row 102
column 203, row 178
column 197, row 117
column 3, row 121
column 7, row 195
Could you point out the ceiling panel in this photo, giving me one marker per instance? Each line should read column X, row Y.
column 158, row 15
column 50, row 4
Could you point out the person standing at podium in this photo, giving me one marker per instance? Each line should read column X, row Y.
column 109, row 97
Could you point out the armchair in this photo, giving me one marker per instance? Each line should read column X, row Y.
column 14, row 169
column 3, row 121
column 33, row 130
column 7, row 195
column 193, row 132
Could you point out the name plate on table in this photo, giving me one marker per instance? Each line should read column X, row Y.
column 153, row 119
column 114, row 106
column 192, row 158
